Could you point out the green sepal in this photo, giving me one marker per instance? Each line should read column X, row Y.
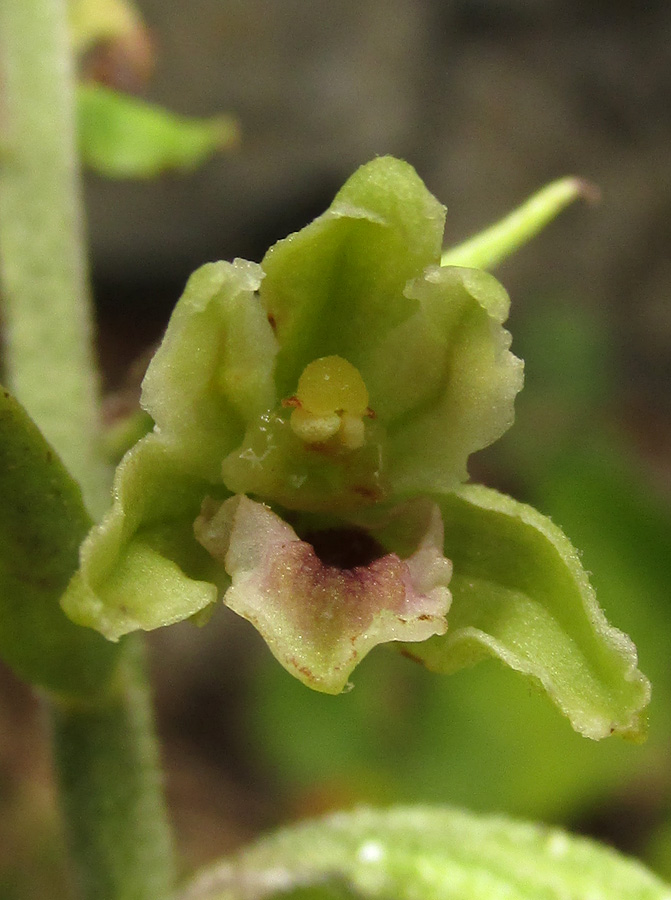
column 435, row 853
column 336, row 286
column 141, row 567
column 42, row 523
column 521, row 595
column 123, row 137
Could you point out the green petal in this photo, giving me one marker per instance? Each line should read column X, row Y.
column 42, row 522
column 123, row 137
column 212, row 373
column 336, row 287
column 142, row 568
column 455, row 343
column 433, row 853
column 521, row 595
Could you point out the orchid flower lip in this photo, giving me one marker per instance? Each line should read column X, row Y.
column 323, row 601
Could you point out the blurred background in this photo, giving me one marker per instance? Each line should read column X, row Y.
column 489, row 100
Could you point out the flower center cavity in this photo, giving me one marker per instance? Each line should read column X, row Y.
column 344, row 548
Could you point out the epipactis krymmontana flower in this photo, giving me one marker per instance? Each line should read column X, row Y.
column 314, row 417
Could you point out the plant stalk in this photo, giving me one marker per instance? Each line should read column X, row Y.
column 492, row 246
column 48, row 350
column 105, row 755
column 107, row 760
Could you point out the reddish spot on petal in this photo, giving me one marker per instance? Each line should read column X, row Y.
column 408, row 655
column 371, row 494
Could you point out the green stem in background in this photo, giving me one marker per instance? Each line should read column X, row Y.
column 107, row 761
column 46, row 305
column 106, row 755
column 490, row 247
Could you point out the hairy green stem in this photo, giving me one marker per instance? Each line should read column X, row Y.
column 107, row 760
column 490, row 247
column 46, row 307
column 106, row 756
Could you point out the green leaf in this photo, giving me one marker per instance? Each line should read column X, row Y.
column 123, row 137
column 432, row 853
column 42, row 523
column 520, row 594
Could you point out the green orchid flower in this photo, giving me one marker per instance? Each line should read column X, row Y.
column 314, row 415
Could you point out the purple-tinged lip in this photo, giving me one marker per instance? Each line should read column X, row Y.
column 321, row 619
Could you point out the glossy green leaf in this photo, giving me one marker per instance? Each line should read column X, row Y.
column 521, row 595
column 123, row 137
column 432, row 853
column 42, row 522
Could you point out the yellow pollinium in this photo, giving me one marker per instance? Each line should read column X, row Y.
column 330, row 402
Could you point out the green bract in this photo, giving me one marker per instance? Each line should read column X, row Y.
column 314, row 417
column 42, row 522
column 123, row 137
